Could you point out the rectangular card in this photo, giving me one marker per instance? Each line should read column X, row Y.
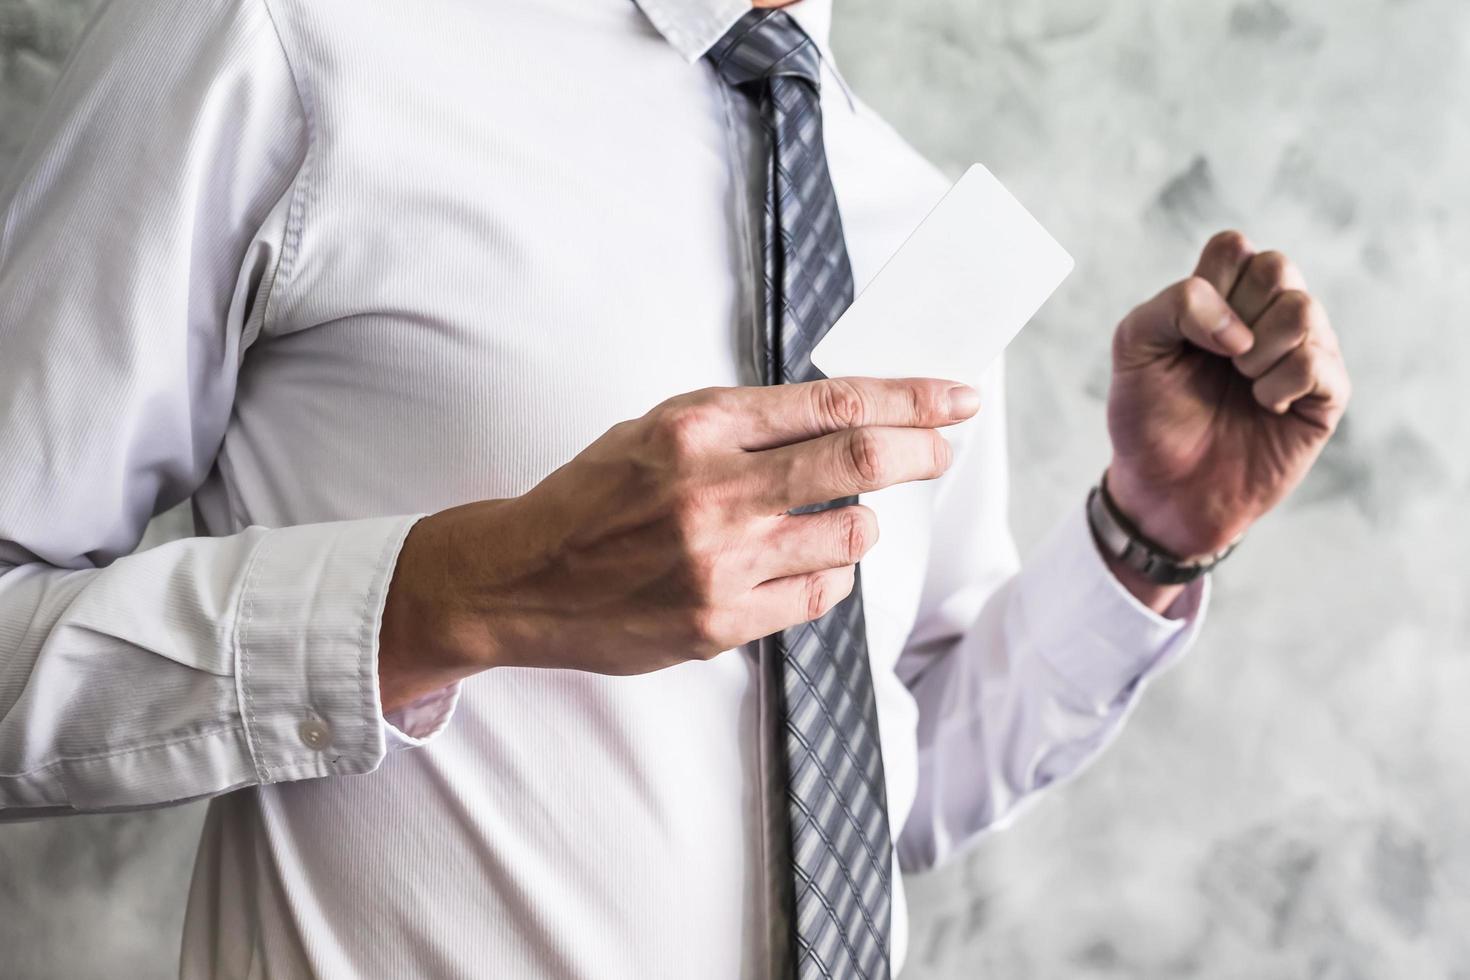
column 963, row 285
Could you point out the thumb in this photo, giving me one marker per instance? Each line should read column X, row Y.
column 1191, row 312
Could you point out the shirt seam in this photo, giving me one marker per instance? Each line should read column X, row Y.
column 114, row 753
column 292, row 234
column 245, row 690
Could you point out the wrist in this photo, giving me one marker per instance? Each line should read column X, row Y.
column 423, row 645
column 1155, row 596
column 1142, row 564
column 1189, row 534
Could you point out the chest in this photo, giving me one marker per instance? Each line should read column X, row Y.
column 536, row 198
column 519, row 223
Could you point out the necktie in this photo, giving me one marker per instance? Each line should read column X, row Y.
column 841, row 848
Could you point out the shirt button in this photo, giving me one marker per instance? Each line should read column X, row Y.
column 315, row 734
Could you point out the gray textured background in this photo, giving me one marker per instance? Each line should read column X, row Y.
column 1293, row 800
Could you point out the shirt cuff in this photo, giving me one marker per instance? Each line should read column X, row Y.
column 306, row 647
column 1099, row 639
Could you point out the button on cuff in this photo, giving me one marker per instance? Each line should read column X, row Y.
column 306, row 647
column 315, row 734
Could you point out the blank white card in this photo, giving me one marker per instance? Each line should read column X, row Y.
column 963, row 285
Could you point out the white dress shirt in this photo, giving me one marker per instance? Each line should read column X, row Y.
column 326, row 266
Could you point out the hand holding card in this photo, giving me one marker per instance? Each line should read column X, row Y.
column 954, row 295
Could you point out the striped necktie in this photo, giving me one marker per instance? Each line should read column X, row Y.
column 841, row 848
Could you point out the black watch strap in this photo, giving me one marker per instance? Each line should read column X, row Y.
column 1118, row 537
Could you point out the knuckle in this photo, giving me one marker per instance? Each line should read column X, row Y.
column 728, row 406
column 1270, row 268
column 865, row 456
column 925, row 401
column 1125, row 335
column 713, row 403
column 919, row 406
column 856, row 532
column 1296, row 332
column 708, row 395
column 1193, row 294
column 1297, row 307
column 1309, row 364
column 915, row 401
column 707, row 625
column 943, row 453
column 683, row 425
column 820, row 591
column 839, row 403
column 840, row 582
column 816, row 597
column 1228, row 242
column 1272, row 390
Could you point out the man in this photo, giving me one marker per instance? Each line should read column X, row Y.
column 604, row 695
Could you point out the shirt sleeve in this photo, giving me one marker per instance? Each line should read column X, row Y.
column 1022, row 673
column 139, row 236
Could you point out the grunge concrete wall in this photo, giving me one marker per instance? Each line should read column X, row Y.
column 1294, row 799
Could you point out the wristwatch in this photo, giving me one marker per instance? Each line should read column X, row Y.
column 1120, row 538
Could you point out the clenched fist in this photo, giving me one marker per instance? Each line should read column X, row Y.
column 1226, row 386
column 667, row 539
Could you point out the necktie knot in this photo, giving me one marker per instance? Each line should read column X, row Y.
column 764, row 44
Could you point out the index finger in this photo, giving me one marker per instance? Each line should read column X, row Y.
column 1223, row 261
column 780, row 415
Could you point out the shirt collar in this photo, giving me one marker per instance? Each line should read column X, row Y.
column 693, row 26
